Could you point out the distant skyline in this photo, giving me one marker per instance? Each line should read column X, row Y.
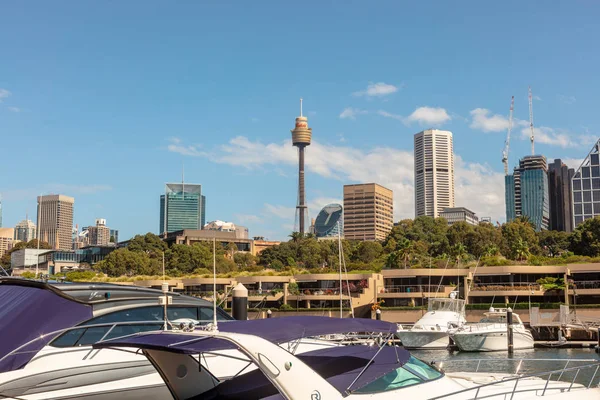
column 104, row 102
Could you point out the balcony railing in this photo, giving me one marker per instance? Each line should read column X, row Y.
column 264, row 293
column 587, row 285
column 414, row 289
column 505, row 286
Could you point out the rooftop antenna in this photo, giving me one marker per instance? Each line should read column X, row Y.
column 531, row 137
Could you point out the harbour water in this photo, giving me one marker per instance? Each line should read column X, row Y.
column 546, row 360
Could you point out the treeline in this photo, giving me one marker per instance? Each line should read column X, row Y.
column 423, row 242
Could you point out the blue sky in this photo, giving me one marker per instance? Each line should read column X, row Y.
column 105, row 101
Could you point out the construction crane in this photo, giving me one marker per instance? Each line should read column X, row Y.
column 531, row 121
column 507, row 142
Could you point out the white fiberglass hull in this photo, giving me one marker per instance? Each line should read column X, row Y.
column 491, row 340
column 422, row 339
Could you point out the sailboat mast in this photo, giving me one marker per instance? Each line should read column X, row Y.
column 340, row 261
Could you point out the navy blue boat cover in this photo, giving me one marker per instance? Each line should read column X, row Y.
column 29, row 310
column 276, row 330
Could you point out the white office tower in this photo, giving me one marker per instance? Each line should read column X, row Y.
column 434, row 172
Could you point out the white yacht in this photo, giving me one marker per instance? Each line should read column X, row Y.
column 431, row 330
column 490, row 334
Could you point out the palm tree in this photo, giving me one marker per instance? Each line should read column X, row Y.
column 459, row 251
column 296, row 236
column 521, row 249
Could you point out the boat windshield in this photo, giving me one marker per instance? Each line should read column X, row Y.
column 413, row 372
column 453, row 305
column 494, row 320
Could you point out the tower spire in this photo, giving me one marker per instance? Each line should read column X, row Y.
column 301, row 106
column 301, row 137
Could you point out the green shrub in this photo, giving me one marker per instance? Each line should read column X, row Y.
column 285, row 307
column 495, row 261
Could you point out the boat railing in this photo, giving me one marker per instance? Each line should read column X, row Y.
column 157, row 324
column 539, row 391
column 485, row 326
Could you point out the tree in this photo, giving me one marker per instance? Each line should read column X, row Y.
column 125, row 262
column 368, row 252
column 148, row 243
column 244, row 260
column 585, row 240
column 296, row 236
column 519, row 239
column 484, row 239
column 231, row 248
column 458, row 233
column 553, row 243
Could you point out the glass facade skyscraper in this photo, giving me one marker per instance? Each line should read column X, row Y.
column 527, row 192
column 586, row 187
column 182, row 207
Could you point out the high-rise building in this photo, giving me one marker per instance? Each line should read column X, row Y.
column 330, row 222
column 182, row 207
column 99, row 235
column 0, row 211
column 459, row 214
column 25, row 231
column 55, row 220
column 6, row 240
column 586, row 187
column 114, row 236
column 301, row 137
column 434, row 172
column 560, row 190
column 527, row 192
column 368, row 211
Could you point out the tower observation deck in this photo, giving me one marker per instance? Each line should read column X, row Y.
column 301, row 136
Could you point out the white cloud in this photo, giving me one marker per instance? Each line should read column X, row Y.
column 390, row 115
column 482, row 120
column 429, row 116
column 280, row 211
column 14, row 109
column 4, row 94
column 566, row 99
column 478, row 187
column 549, row 136
column 377, row 90
column 574, row 163
column 190, row 150
column 351, row 113
column 247, row 218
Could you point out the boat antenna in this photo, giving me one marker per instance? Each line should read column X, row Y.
column 215, row 283
column 442, row 277
column 345, row 273
column 165, row 290
column 340, row 261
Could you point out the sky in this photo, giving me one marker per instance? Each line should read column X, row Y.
column 108, row 101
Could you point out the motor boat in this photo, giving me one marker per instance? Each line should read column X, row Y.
column 490, row 333
column 431, row 330
column 269, row 370
column 50, row 345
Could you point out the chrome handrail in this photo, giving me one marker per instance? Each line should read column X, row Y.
column 522, row 377
column 112, row 325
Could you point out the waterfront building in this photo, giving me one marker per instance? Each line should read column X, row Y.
column 25, row 231
column 182, row 207
column 56, row 261
column 6, row 240
column 330, row 222
column 459, row 214
column 26, row 258
column 434, row 172
column 586, row 187
column 368, row 212
column 527, row 192
column 55, row 220
column 560, row 191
